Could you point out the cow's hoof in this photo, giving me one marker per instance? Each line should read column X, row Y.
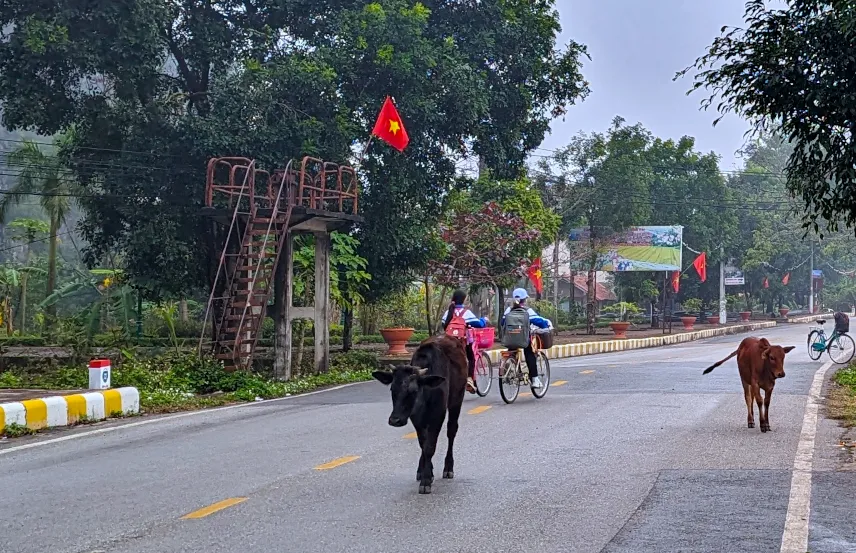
column 448, row 474
column 763, row 429
column 423, row 489
column 751, row 425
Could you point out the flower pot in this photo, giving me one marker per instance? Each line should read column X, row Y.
column 713, row 319
column 619, row 328
column 744, row 315
column 784, row 312
column 688, row 322
column 396, row 338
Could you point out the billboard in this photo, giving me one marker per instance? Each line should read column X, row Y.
column 733, row 275
column 653, row 248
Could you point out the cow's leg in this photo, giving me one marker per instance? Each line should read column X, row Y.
column 428, row 449
column 766, row 420
column 420, row 434
column 756, row 393
column 747, row 395
column 451, row 432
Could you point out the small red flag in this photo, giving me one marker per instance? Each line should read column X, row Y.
column 534, row 274
column 390, row 128
column 766, row 282
column 700, row 265
column 786, row 279
column 676, row 281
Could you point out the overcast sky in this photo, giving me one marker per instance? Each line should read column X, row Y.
column 636, row 47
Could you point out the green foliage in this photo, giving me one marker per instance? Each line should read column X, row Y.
column 744, row 72
column 847, row 377
column 623, row 309
column 692, row 305
column 16, row 430
column 10, row 380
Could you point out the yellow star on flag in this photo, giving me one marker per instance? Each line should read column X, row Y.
column 394, row 127
column 538, row 273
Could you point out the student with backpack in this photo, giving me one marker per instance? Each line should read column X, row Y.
column 456, row 322
column 515, row 323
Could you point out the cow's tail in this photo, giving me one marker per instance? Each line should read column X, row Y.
column 718, row 363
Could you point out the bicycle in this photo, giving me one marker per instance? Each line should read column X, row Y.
column 483, row 371
column 837, row 342
column 513, row 371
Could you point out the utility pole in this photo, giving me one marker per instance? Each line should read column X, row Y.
column 722, row 310
column 811, row 281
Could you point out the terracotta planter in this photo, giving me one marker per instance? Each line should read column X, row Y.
column 688, row 322
column 784, row 312
column 713, row 319
column 396, row 338
column 744, row 315
column 619, row 328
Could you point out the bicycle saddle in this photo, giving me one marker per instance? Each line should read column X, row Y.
column 821, row 321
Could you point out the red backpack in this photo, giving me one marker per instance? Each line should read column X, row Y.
column 457, row 327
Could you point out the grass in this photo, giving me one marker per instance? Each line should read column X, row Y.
column 841, row 404
column 16, row 430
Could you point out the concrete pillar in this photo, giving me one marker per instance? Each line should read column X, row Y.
column 288, row 277
column 322, row 301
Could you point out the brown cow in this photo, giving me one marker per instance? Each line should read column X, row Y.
column 760, row 364
column 434, row 382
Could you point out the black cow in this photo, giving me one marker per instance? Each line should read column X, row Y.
column 434, row 382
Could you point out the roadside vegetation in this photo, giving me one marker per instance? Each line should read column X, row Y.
column 842, row 397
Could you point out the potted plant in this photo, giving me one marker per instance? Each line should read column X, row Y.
column 713, row 319
column 623, row 310
column 691, row 305
column 783, row 311
column 396, row 336
column 744, row 315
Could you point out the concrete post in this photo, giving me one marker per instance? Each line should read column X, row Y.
column 322, row 301
column 288, row 277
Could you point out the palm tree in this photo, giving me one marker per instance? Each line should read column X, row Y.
column 28, row 230
column 45, row 176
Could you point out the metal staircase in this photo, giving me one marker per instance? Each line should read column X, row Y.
column 255, row 239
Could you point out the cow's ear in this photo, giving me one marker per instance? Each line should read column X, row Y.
column 765, row 353
column 384, row 377
column 431, row 381
column 789, row 349
column 421, row 372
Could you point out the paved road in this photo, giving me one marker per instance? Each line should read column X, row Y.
column 636, row 452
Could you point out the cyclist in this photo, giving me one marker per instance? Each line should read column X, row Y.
column 520, row 296
column 456, row 322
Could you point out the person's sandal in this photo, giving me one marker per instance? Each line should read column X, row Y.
column 471, row 386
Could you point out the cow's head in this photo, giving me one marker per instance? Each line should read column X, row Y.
column 774, row 359
column 406, row 383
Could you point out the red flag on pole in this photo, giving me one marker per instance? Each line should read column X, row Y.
column 534, row 274
column 676, row 281
column 700, row 265
column 786, row 279
column 390, row 128
column 766, row 282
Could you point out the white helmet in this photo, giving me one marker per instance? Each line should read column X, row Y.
column 520, row 294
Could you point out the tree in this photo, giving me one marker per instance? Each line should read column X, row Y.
column 45, row 176
column 277, row 80
column 792, row 69
column 607, row 182
column 26, row 231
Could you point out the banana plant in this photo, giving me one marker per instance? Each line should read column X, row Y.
column 115, row 301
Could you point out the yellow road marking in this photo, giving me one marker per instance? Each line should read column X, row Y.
column 337, row 462
column 479, row 409
column 211, row 509
column 560, row 383
column 586, row 372
column 525, row 394
column 410, row 436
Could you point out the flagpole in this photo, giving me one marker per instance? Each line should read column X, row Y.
column 365, row 149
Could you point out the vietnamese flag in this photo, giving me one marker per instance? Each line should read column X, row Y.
column 786, row 279
column 534, row 274
column 390, row 128
column 700, row 265
column 766, row 282
column 676, row 281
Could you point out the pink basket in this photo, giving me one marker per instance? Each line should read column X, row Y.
column 484, row 336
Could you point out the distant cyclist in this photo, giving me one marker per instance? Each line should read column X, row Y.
column 520, row 296
column 456, row 322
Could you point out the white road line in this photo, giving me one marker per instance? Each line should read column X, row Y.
column 795, row 536
column 169, row 418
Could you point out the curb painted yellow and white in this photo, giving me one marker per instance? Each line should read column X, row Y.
column 54, row 411
column 608, row 346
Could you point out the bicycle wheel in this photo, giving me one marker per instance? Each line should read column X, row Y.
column 509, row 382
column 483, row 374
column 841, row 349
column 814, row 337
column 543, row 374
